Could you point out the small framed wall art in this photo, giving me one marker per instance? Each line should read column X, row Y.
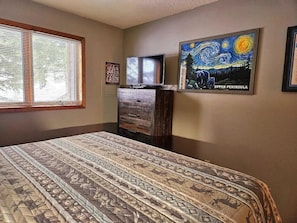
column 112, row 73
column 290, row 66
column 219, row 64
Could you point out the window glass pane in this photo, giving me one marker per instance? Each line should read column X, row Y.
column 55, row 73
column 132, row 70
column 11, row 66
column 149, row 71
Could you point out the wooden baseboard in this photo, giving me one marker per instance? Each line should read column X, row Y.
column 33, row 136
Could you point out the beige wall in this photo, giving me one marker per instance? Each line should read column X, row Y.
column 103, row 43
column 256, row 133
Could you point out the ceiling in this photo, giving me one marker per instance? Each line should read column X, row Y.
column 124, row 13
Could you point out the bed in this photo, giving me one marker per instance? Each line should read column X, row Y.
column 104, row 177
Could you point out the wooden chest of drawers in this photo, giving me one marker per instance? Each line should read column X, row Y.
column 146, row 111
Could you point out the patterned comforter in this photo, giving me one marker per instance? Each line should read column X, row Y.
column 102, row 177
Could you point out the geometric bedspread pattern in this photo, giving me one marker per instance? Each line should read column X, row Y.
column 103, row 177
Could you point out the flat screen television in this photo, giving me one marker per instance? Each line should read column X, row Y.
column 146, row 70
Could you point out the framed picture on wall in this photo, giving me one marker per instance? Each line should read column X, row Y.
column 219, row 64
column 112, row 73
column 290, row 67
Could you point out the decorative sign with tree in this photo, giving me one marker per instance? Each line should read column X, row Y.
column 220, row 64
column 112, row 73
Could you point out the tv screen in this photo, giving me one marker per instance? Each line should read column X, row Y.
column 147, row 70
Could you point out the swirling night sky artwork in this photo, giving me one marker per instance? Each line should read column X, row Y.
column 222, row 63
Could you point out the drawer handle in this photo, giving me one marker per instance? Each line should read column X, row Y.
column 132, row 115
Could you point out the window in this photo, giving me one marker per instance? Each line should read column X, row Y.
column 40, row 68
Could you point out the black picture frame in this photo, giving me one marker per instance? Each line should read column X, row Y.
column 219, row 64
column 290, row 65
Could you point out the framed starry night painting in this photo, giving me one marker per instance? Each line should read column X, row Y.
column 220, row 64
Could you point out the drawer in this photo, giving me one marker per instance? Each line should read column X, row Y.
column 135, row 121
column 137, row 113
column 135, row 124
column 136, row 106
column 141, row 96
